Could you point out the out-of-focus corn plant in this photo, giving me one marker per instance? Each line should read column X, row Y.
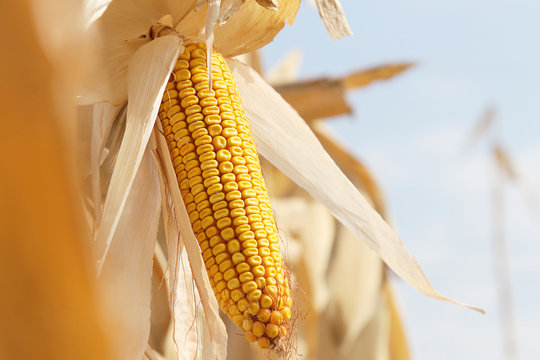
column 127, row 180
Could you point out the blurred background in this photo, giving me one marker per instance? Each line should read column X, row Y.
column 474, row 60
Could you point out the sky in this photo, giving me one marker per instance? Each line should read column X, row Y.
column 411, row 132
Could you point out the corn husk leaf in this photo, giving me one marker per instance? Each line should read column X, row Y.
column 103, row 116
column 93, row 9
column 48, row 308
column 214, row 325
column 352, row 306
column 160, row 310
column 325, row 97
column 149, row 72
column 398, row 342
column 182, row 292
column 126, row 276
column 286, row 140
column 365, row 77
column 250, row 28
column 372, row 342
column 304, row 220
column 333, row 18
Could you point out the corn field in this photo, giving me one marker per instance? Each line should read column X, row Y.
column 238, row 179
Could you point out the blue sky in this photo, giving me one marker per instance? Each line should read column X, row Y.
column 411, row 130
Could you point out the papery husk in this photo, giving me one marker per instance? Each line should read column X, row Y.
column 149, row 72
column 325, row 97
column 291, row 146
column 333, row 18
column 184, row 240
column 161, row 317
column 125, row 279
column 251, row 27
column 124, row 27
column 48, row 305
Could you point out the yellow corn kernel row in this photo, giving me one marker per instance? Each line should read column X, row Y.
column 220, row 179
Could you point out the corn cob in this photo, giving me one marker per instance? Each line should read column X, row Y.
column 220, row 180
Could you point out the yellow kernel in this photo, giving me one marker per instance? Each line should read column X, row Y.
column 264, row 315
column 272, row 330
column 210, row 172
column 229, row 274
column 258, row 328
column 220, row 258
column 226, row 265
column 286, row 313
column 250, row 336
column 230, row 186
column 211, row 181
column 211, row 110
column 253, row 307
column 219, row 205
column 239, row 203
column 226, row 166
column 237, row 319
column 250, row 287
column 214, row 189
column 271, row 290
column 241, row 222
column 241, row 226
column 247, row 324
column 238, row 295
column 238, row 258
column 214, row 130
column 248, row 235
column 233, row 246
column 227, row 234
column 223, row 223
column 249, row 252
column 261, row 282
column 263, row 342
column 207, row 222
column 220, row 248
column 258, row 270
column 217, row 197
column 209, row 101
column 212, row 119
column 219, row 143
column 241, row 268
column 182, row 74
column 233, row 283
column 245, row 277
column 276, row 318
column 266, row 301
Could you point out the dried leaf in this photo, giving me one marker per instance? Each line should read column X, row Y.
column 126, row 277
column 504, row 162
column 316, row 99
column 149, row 72
column 249, row 29
column 333, row 18
column 286, row 140
column 93, row 9
column 399, row 350
column 269, row 4
column 48, row 305
column 216, row 328
column 366, row 77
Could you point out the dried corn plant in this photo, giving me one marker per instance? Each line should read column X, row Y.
column 128, row 181
column 336, row 319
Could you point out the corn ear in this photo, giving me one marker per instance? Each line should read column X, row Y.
column 220, row 180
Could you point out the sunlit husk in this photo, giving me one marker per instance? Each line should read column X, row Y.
column 125, row 24
column 291, row 146
column 149, row 71
column 127, row 271
column 333, row 18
